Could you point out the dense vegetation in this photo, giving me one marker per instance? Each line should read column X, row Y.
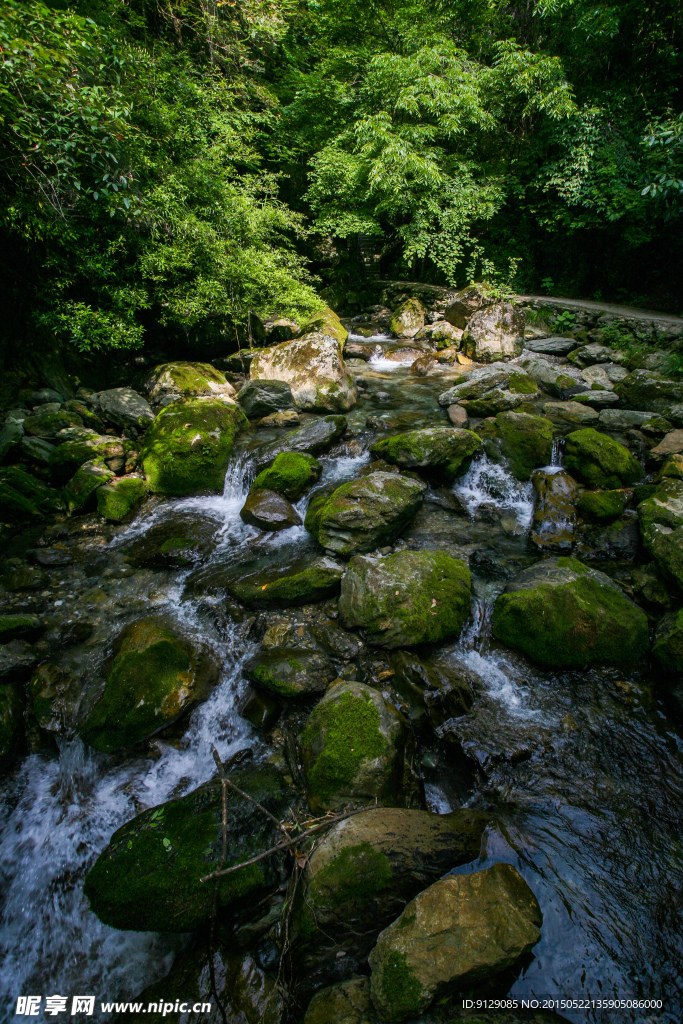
column 172, row 168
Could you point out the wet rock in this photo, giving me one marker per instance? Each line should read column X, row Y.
column 600, row 461
column 87, row 447
column 336, row 641
column 554, row 521
column 148, row 877
column 47, row 422
column 171, row 382
column 466, row 303
column 290, row 673
column 54, row 696
column 17, row 575
column 571, row 412
column 650, row 586
column 555, row 346
column 423, row 365
column 119, row 497
column 561, row 613
column 353, row 751
column 348, row 1002
column 407, row 319
column 623, row 419
column 661, row 527
column 263, row 397
column 495, row 332
column 671, row 445
column 526, row 441
column 124, row 407
column 649, row 391
column 291, row 475
column 179, row 540
column 287, row 418
column 23, row 497
column 560, row 381
column 457, row 414
column 260, row 708
column 20, row 627
column 618, row 541
column 408, row 598
column 85, row 481
column 300, row 582
column 11, row 723
column 17, row 660
column 155, row 678
column 462, row 930
column 442, row 452
column 315, row 438
column 365, row 513
column 361, row 875
column 188, row 446
column 268, row 510
column 668, row 645
column 435, row 692
column 604, row 504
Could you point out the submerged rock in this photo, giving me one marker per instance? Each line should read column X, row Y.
column 561, row 613
column 440, row 451
column 599, row 461
column 494, row 332
column 526, row 441
column 290, row 673
column 554, row 520
column 411, row 597
column 364, row 513
column 314, row 438
column 171, row 382
column 263, row 397
column 291, row 475
column 462, row 930
column 302, row 582
column 149, row 876
column 268, row 510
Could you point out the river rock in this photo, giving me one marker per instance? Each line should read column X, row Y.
column 119, row 497
column 347, row 1002
column 554, row 520
column 457, row 414
column 68, row 456
column 649, row 391
column 495, row 332
column 268, row 510
column 407, row 319
column 618, row 541
column 291, row 475
column 10, row 435
column 526, row 441
column 85, row 481
column 362, row 514
column 314, row 438
column 671, row 445
column 439, row 451
column 23, row 496
column 361, row 875
column 461, row 931
column 124, row 407
column 155, row 677
column 571, row 412
column 180, row 539
column 440, row 335
column 17, row 660
column 11, row 723
column 37, row 449
column 554, row 346
column 262, row 397
column 560, row 381
column 17, row 575
column 45, row 396
column 408, row 598
column 20, row 627
column 599, row 461
column 624, row 419
column 149, row 876
column 434, row 691
column 597, row 399
column 301, row 582
column 188, row 446
column 353, row 751
column 476, row 383
column 47, row 421
column 290, row 673
column 661, row 527
column 171, row 382
column 561, row 613
column 604, row 504
column 668, row 645
column 466, row 302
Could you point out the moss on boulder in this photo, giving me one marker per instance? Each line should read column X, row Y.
column 525, row 440
column 291, row 475
column 313, row 438
column 299, row 583
column 440, row 451
column 188, row 446
column 290, row 672
column 604, row 504
column 561, row 613
column 408, row 598
column 23, row 496
column 87, row 479
column 120, row 496
column 599, row 461
column 86, row 447
column 155, row 677
column 407, row 319
column 173, row 381
column 20, row 627
column 149, row 876
column 661, row 527
column 649, row 391
column 668, row 645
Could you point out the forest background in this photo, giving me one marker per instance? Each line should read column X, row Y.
column 171, row 170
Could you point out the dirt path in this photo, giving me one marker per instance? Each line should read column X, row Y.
column 632, row 312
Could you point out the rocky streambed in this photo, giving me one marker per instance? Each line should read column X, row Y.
column 422, row 606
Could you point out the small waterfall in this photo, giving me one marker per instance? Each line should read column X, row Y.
column 487, row 483
column 557, row 457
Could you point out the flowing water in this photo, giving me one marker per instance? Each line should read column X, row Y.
column 583, row 770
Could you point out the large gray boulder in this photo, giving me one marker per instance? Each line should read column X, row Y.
column 170, row 382
column 261, row 397
column 496, row 332
column 436, row 451
column 649, row 391
column 313, row 438
column 124, row 407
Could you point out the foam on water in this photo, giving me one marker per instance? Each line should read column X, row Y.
column 487, row 482
column 380, row 362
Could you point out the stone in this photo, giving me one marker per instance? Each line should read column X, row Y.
column 668, row 645
column 353, row 750
column 649, row 584
column 302, row 582
column 599, row 461
column 18, row 576
column 268, row 510
column 85, row 482
column 188, row 446
column 462, row 931
column 90, row 419
column 125, row 408
column 17, row 660
column 260, row 708
column 465, row 303
column 434, row 691
column 661, row 527
column 673, row 467
column 604, row 504
column 671, row 445
column 45, row 396
column 563, row 614
column 363, row 514
column 286, row 418
column 442, row 452
column 597, row 399
column 623, row 419
column 616, row 541
column 560, row 381
column 494, row 401
column 10, row 435
column 155, row 677
column 171, row 382
column 11, row 724
column 554, row 519
column 54, row 696
column 495, row 332
column 476, row 383
column 262, row 397
column 178, row 540
column 121, row 496
column 23, row 496
column 291, row 475
column 408, row 319
column 68, row 456
column 347, row 1002
column 440, row 335
column 408, row 598
column 571, row 412
column 526, row 441
column 423, row 365
column 589, row 355
column 457, row 414
column 290, row 673
column 149, row 876
column 555, row 346
column 597, row 377
column 314, row 438
column 37, row 449
column 649, row 391
column 20, row 627
column 363, row 872
column 47, row 422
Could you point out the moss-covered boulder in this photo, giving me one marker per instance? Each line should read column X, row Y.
column 466, row 302
column 155, row 677
column 124, row 407
column 188, row 446
column 291, row 475
column 290, row 673
column 11, row 723
column 47, row 422
column 20, row 627
column 262, row 397
column 300, row 582
column 179, row 539
column 54, row 694
column 313, row 438
column 561, row 613
column 668, row 645
column 347, row 1002
column 462, row 931
column 173, row 381
column 362, row 514
column 408, row 598
column 149, row 876
column 354, row 750
column 268, row 510
column 362, row 874
column 649, row 391
column 661, row 527
column 407, row 319
column 23, row 496
column 68, row 456
column 599, row 461
column 80, row 491
column 604, row 504
column 495, row 332
column 122, row 495
column 526, row 441
column 438, row 451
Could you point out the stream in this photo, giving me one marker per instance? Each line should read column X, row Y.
column 583, row 770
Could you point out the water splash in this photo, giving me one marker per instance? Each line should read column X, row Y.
column 487, row 483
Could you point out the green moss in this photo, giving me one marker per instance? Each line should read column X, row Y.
column 316, row 582
column 603, row 504
column 668, row 645
column 86, row 481
column 273, row 681
column 326, row 322
column 67, row 457
column 291, row 475
column 440, row 451
column 13, row 627
column 344, row 886
column 526, row 441
column 117, row 499
column 522, row 384
column 599, row 461
column 401, row 991
column 192, row 379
